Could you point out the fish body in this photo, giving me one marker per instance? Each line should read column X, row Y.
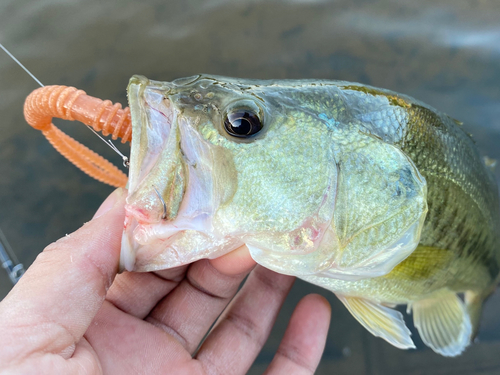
column 369, row 193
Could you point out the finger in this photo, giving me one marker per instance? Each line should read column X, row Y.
column 136, row 293
column 242, row 330
column 135, row 346
column 199, row 299
column 57, row 298
column 234, row 263
column 302, row 346
column 127, row 291
column 114, row 323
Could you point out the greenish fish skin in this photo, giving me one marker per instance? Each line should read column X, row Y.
column 366, row 192
column 459, row 246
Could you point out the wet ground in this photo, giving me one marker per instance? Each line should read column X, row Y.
column 443, row 52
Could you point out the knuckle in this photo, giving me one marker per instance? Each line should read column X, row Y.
column 247, row 326
column 294, row 355
column 273, row 282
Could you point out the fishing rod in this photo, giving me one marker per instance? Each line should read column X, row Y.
column 9, row 260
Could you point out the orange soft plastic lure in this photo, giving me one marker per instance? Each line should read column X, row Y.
column 69, row 103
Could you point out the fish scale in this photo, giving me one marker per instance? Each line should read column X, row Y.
column 459, row 220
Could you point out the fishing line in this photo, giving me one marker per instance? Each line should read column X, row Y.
column 109, row 143
column 21, row 65
column 126, row 162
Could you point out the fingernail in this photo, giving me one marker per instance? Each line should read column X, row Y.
column 109, row 202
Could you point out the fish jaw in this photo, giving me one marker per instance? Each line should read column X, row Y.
column 173, row 186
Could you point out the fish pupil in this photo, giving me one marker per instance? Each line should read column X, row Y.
column 242, row 124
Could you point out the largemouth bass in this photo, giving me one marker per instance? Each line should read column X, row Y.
column 368, row 193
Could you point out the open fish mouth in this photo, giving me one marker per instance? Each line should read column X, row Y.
column 170, row 191
column 157, row 177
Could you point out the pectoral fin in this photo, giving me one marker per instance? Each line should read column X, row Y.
column 443, row 323
column 380, row 320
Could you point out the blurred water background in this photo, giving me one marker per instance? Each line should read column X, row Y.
column 443, row 52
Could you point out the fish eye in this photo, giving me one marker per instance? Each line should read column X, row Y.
column 242, row 123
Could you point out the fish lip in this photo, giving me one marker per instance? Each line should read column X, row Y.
column 153, row 117
column 144, row 234
column 127, row 251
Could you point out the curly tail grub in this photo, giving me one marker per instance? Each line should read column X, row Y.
column 68, row 103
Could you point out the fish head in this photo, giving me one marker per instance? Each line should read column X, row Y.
column 217, row 163
column 220, row 162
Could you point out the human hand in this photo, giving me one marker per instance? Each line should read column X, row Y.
column 70, row 313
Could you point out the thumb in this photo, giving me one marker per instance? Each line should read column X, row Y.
column 57, row 298
column 109, row 202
